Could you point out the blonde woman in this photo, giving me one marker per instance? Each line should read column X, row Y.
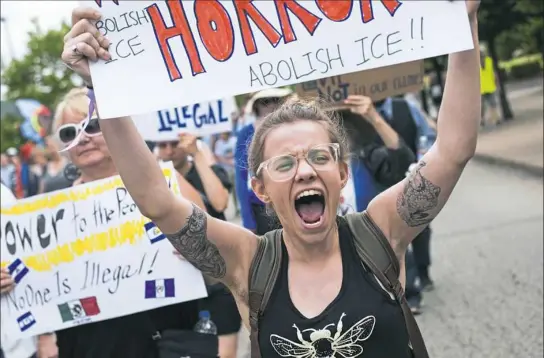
column 126, row 336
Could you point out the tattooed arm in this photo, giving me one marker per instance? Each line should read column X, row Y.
column 405, row 209
column 219, row 249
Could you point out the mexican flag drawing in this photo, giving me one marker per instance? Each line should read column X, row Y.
column 77, row 309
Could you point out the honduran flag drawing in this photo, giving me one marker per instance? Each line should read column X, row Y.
column 153, row 232
column 161, row 288
column 76, row 309
column 17, row 270
column 26, row 321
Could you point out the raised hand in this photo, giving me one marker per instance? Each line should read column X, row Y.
column 84, row 42
column 188, row 143
column 6, row 282
column 363, row 106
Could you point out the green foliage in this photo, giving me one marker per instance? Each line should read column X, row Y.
column 10, row 135
column 40, row 74
column 514, row 25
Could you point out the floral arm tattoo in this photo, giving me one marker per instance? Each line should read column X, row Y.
column 418, row 198
column 192, row 243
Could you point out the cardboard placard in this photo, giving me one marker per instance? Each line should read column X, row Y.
column 377, row 84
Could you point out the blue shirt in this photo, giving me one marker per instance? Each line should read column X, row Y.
column 245, row 194
column 423, row 127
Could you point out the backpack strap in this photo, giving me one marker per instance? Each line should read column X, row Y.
column 262, row 278
column 376, row 253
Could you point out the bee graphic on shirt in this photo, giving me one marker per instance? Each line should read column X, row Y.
column 323, row 344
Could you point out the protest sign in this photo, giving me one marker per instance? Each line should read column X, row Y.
column 377, row 84
column 86, row 254
column 171, row 53
column 201, row 119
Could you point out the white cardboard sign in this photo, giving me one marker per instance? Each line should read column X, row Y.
column 86, row 254
column 171, row 53
column 201, row 119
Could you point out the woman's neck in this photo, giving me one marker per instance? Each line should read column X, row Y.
column 317, row 252
column 97, row 172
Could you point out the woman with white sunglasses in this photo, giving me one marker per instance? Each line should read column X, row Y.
column 124, row 336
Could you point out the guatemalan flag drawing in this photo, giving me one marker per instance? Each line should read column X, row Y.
column 161, row 288
column 153, row 232
column 17, row 270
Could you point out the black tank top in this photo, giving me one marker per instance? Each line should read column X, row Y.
column 362, row 321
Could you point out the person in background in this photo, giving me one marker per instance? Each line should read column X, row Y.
column 191, row 160
column 254, row 215
column 38, row 162
column 224, row 154
column 24, row 182
column 127, row 336
column 374, row 164
column 54, row 177
column 10, row 348
column 488, row 89
column 6, row 167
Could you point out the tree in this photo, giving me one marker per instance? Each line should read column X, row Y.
column 10, row 135
column 507, row 18
column 40, row 74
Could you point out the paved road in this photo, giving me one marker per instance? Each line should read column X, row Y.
column 488, row 268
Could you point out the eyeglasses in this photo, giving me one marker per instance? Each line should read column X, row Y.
column 323, row 157
column 68, row 132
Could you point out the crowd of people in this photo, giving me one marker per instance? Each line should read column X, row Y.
column 289, row 166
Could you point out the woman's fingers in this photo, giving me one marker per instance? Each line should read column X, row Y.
column 6, row 282
column 87, row 51
column 84, row 26
column 84, row 13
column 88, row 39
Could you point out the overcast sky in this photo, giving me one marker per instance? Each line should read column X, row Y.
column 18, row 15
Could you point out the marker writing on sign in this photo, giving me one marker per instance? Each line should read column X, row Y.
column 176, row 119
column 216, row 28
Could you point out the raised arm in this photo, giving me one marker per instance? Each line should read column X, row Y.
column 219, row 249
column 404, row 210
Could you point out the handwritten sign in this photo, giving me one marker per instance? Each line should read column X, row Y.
column 377, row 84
column 86, row 254
column 164, row 52
column 201, row 119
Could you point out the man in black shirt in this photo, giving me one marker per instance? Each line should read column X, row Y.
column 212, row 181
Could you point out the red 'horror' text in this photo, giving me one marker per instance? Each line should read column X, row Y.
column 216, row 29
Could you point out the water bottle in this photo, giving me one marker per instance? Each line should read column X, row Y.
column 423, row 146
column 205, row 325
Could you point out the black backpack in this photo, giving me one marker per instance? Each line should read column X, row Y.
column 372, row 247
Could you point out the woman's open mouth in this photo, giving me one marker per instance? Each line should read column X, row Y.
column 310, row 207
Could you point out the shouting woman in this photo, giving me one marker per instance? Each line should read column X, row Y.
column 297, row 158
